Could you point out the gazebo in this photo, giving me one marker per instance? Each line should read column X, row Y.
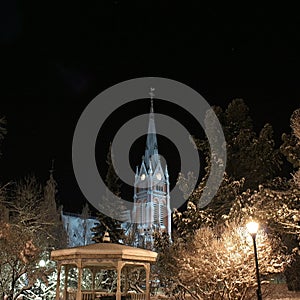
column 85, row 267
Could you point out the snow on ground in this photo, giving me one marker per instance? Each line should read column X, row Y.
column 275, row 292
column 281, row 292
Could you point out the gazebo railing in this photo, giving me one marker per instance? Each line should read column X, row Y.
column 139, row 296
column 95, row 295
column 87, row 295
column 92, row 295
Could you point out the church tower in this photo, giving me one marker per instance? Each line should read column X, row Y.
column 151, row 210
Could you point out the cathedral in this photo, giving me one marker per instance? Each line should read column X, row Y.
column 151, row 211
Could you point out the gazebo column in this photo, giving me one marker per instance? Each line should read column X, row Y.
column 79, row 266
column 66, row 282
column 58, row 282
column 94, row 271
column 126, row 280
column 119, row 270
column 147, row 268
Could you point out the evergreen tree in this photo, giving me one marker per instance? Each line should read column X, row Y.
column 249, row 188
column 85, row 215
column 209, row 243
column 251, row 164
column 251, row 156
column 291, row 145
column 291, row 150
column 112, row 179
column 251, row 160
column 193, row 218
column 106, row 223
column 2, row 129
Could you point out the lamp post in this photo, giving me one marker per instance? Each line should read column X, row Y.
column 253, row 228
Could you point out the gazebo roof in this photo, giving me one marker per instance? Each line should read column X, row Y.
column 104, row 251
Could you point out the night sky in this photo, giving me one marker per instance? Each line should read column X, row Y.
column 57, row 57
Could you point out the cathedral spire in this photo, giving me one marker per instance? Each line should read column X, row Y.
column 151, row 97
column 151, row 151
column 151, row 197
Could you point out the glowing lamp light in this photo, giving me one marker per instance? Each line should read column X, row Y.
column 252, row 227
column 42, row 263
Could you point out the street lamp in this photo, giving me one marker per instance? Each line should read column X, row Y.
column 253, row 228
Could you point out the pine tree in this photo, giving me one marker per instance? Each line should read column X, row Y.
column 252, row 159
column 291, row 145
column 85, row 215
column 291, row 150
column 251, row 156
column 106, row 223
column 2, row 129
column 250, row 188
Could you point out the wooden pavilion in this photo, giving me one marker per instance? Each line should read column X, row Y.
column 87, row 262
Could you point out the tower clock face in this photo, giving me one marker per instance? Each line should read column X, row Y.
column 143, row 176
column 158, row 176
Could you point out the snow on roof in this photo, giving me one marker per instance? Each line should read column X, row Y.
column 105, row 250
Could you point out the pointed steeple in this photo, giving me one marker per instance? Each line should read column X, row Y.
column 150, row 168
column 151, row 144
column 166, row 171
column 151, row 189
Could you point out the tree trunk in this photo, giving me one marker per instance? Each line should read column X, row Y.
column 292, row 275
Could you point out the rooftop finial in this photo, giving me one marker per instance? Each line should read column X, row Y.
column 151, row 97
column 152, row 93
column 52, row 167
column 106, row 237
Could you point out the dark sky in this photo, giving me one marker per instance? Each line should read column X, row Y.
column 57, row 57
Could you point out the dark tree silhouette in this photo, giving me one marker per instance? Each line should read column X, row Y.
column 106, row 223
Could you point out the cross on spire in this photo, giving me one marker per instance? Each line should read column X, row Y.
column 151, row 151
column 152, row 93
column 52, row 167
column 151, row 97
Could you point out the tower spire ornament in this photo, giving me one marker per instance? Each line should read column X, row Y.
column 52, row 167
column 151, row 93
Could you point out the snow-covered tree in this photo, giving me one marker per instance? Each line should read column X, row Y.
column 216, row 260
column 2, row 128
column 219, row 263
column 27, row 238
column 291, row 144
column 295, row 123
column 250, row 189
column 291, row 149
column 251, row 155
